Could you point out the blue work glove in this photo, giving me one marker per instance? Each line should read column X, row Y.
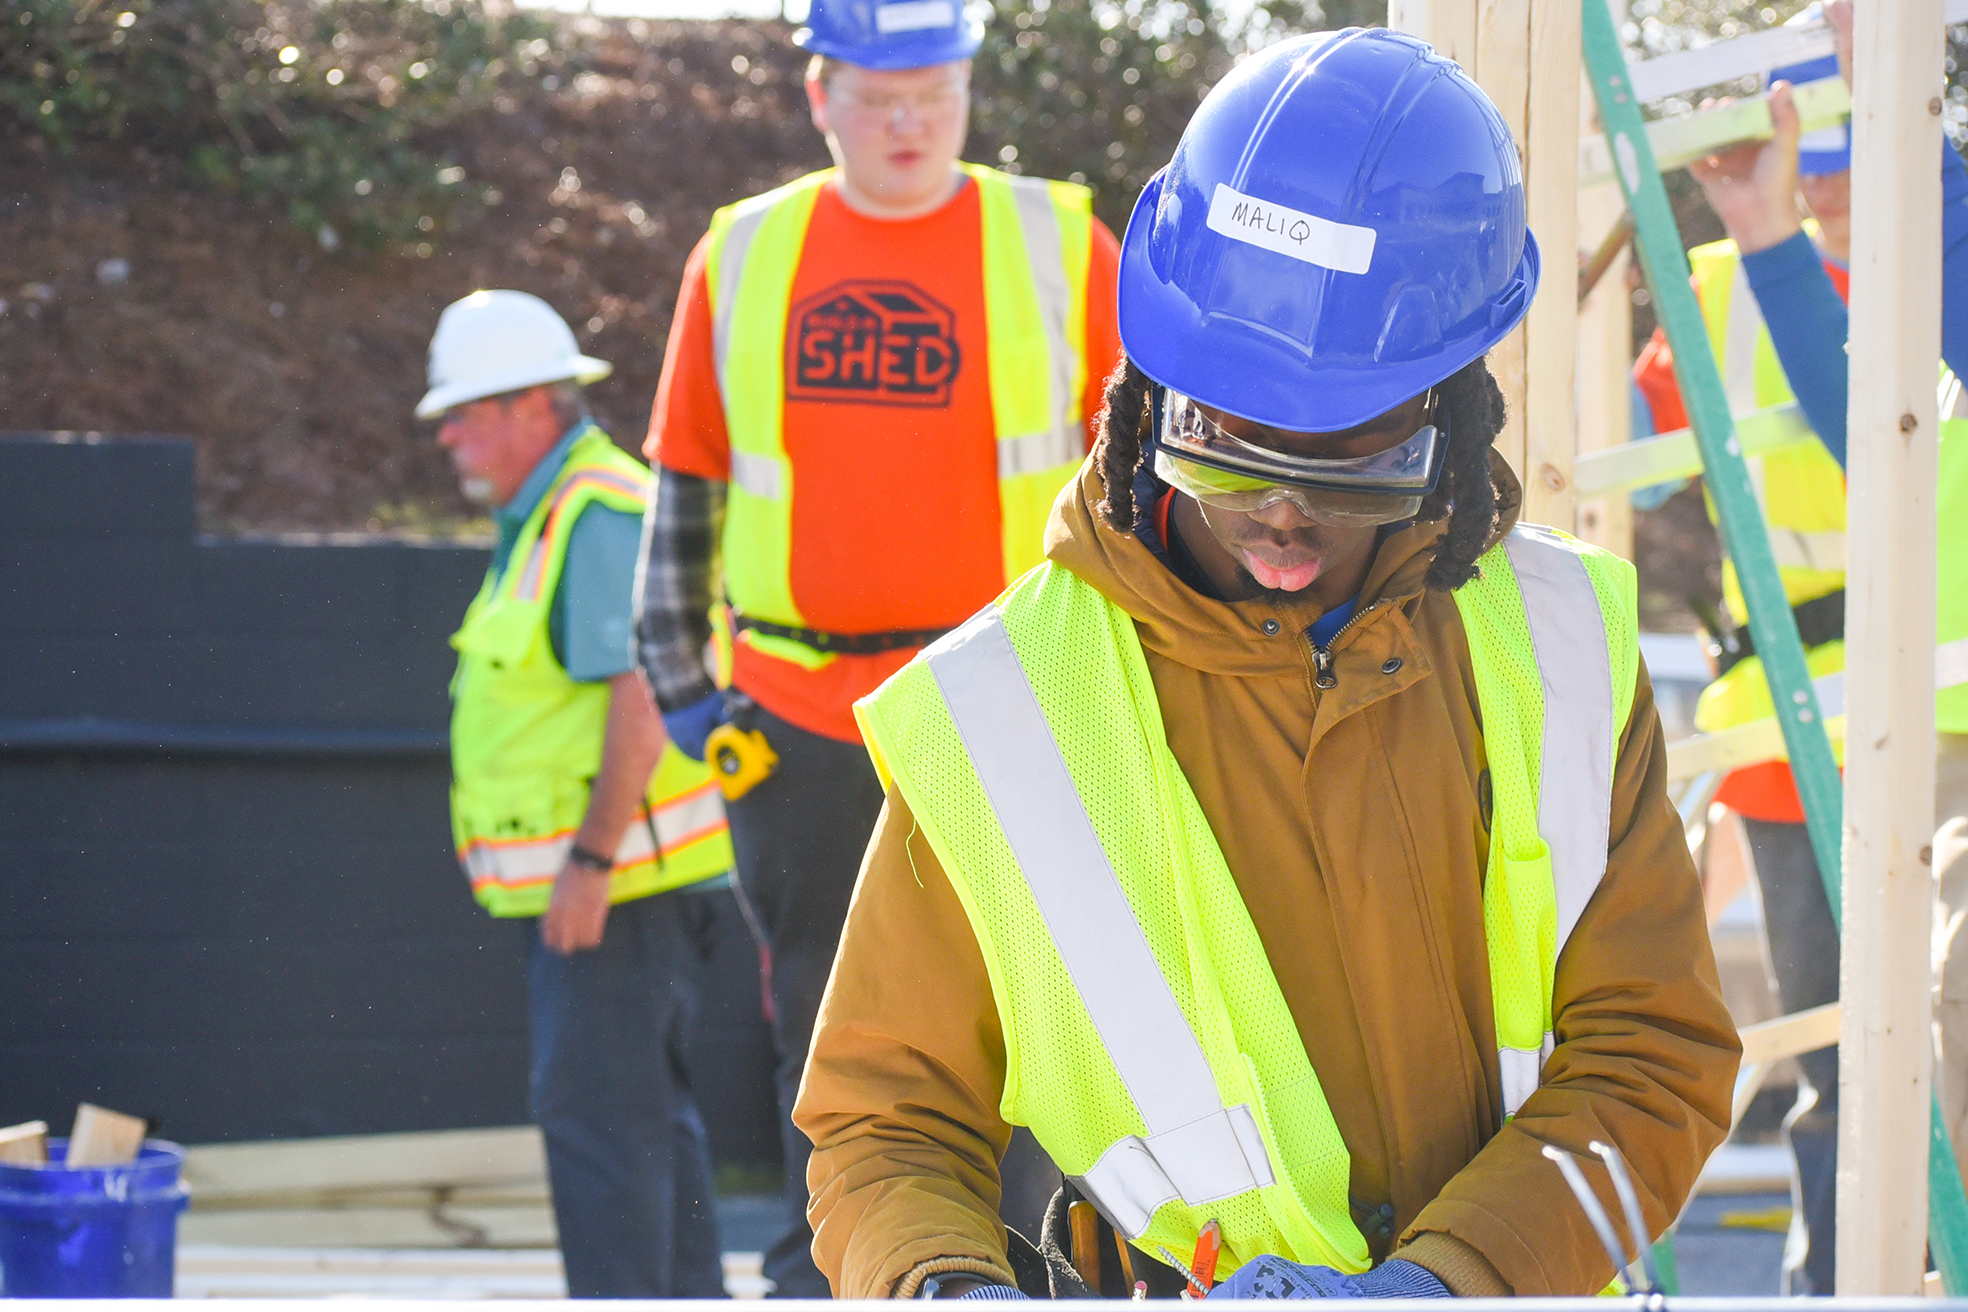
column 689, row 726
column 994, row 1294
column 1274, row 1277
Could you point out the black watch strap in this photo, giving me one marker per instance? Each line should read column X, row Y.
column 594, row 861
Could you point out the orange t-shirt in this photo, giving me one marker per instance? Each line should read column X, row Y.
column 1765, row 791
column 888, row 428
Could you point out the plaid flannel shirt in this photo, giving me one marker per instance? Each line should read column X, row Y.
column 680, row 532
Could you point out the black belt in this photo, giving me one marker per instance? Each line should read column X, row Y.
column 1819, row 620
column 842, row 644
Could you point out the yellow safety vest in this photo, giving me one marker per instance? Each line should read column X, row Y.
column 1037, row 238
column 1147, row 1044
column 1801, row 491
column 526, row 740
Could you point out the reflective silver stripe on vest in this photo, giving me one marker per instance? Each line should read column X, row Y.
column 1063, row 443
column 1035, row 453
column 731, row 270
column 757, row 475
column 1521, row 1072
column 522, row 862
column 1739, row 337
column 1575, row 773
column 1196, row 1149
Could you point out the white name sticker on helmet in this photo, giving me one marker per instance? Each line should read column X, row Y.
column 914, row 16
column 1340, row 246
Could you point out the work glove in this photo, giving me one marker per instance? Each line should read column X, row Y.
column 690, row 725
column 994, row 1294
column 1274, row 1277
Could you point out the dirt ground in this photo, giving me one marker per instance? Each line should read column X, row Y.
column 294, row 368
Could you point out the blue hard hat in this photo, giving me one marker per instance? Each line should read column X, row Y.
column 1342, row 227
column 891, row 34
column 1827, row 150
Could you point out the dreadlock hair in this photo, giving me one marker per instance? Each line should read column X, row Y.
column 1467, row 496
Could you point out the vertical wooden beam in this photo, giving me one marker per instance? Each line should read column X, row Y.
column 1525, row 55
column 1885, row 1058
column 1550, row 331
column 1605, row 351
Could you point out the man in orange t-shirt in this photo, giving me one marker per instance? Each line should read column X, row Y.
column 888, row 493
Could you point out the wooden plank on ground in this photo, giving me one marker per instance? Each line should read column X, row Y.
column 439, row 1158
column 372, row 1227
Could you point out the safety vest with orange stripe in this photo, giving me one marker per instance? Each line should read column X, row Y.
column 526, row 739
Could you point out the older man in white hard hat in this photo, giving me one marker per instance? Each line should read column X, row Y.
column 569, row 805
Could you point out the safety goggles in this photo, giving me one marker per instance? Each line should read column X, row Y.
column 1197, row 457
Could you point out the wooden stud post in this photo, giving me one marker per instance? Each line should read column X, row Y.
column 1525, row 55
column 1884, row 1057
column 1550, row 333
column 1605, row 353
column 1448, row 25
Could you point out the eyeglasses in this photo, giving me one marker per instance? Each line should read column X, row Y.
column 1197, row 456
column 891, row 107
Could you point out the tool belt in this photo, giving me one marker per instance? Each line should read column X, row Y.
column 1819, row 620
column 841, row 644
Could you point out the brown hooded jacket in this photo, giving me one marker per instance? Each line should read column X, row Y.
column 1352, row 822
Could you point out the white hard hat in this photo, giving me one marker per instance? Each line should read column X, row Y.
column 499, row 341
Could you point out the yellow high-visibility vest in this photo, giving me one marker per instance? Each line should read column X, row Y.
column 1037, row 239
column 1801, row 491
column 1147, row 1044
column 526, row 740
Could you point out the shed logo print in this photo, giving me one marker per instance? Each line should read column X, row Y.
column 874, row 343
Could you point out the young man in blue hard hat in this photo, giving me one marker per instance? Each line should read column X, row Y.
column 1795, row 315
column 878, row 379
column 568, row 805
column 1291, row 852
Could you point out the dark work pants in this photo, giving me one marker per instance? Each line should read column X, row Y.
column 1804, row 955
column 799, row 838
column 626, row 1151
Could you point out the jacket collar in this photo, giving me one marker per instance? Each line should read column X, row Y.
column 1221, row 637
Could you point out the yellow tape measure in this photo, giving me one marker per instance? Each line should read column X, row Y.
column 741, row 757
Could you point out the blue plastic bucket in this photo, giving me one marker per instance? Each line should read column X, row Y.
column 94, row 1232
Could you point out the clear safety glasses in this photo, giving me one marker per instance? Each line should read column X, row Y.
column 1196, row 456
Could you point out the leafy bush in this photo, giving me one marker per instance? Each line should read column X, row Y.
column 320, row 104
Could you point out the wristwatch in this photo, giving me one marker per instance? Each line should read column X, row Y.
column 595, row 861
column 932, row 1287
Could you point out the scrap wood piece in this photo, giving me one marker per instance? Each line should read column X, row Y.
column 104, row 1138
column 25, row 1144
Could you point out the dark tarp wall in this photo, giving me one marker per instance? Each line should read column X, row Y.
column 227, row 896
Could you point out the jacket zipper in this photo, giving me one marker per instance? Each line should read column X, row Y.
column 1322, row 661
